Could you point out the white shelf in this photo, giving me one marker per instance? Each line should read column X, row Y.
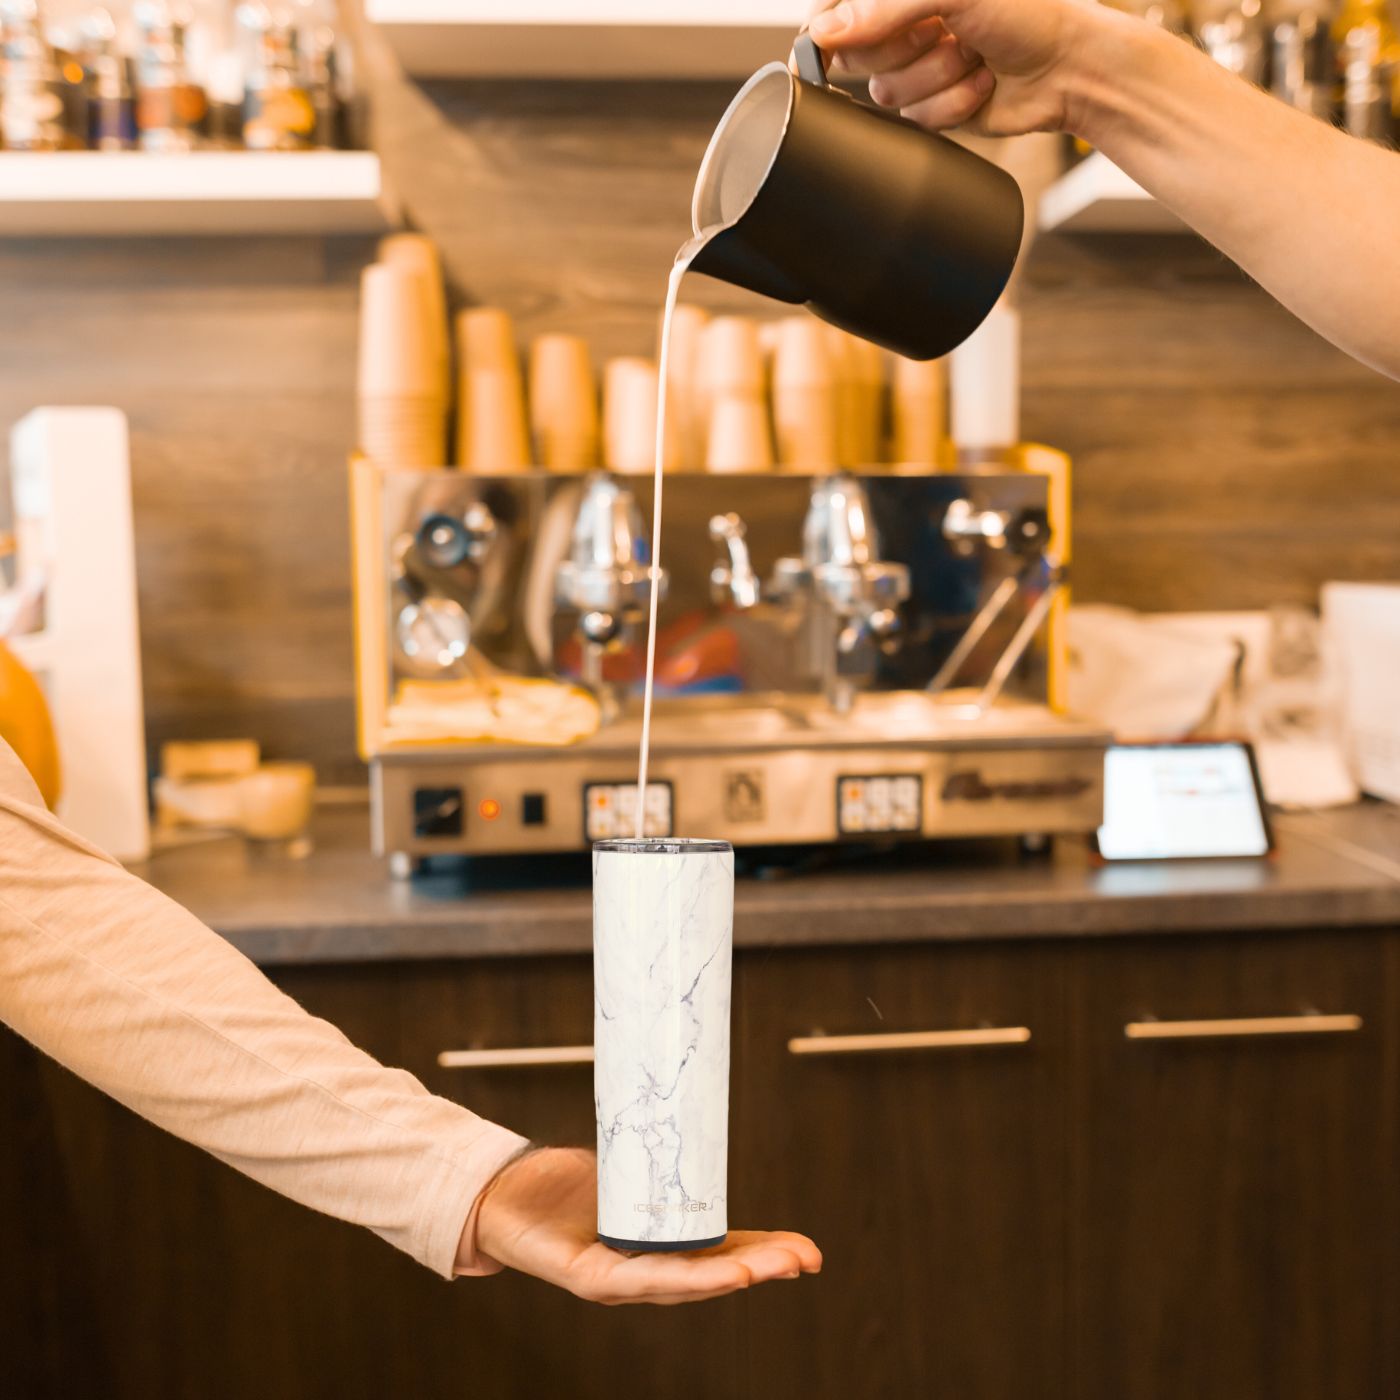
column 587, row 38
column 1096, row 197
column 204, row 192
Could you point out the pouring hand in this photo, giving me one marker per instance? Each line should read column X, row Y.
column 540, row 1216
column 999, row 66
column 1303, row 208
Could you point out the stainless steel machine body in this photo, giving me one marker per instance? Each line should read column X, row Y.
column 812, row 632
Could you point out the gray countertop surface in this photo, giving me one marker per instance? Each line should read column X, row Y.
column 1332, row 870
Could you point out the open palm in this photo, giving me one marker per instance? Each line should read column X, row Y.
column 540, row 1217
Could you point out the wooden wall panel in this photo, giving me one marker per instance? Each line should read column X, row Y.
column 1225, row 456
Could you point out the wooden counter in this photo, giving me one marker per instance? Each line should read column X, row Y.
column 339, row 905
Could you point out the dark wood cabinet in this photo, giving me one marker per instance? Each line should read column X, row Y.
column 1231, row 1185
column 49, row 1347
column 1042, row 1208
column 931, row 1174
column 546, row 1004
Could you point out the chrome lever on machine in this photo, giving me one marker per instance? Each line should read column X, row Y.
column 1055, row 577
column 1026, row 535
column 733, row 582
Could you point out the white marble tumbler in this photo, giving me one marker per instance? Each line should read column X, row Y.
column 663, row 935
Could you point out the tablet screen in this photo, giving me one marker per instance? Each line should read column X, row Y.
column 1181, row 801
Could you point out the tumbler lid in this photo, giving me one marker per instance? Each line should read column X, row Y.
column 662, row 846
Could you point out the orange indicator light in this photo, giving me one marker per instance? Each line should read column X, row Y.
column 489, row 809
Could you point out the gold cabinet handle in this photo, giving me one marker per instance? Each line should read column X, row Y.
column 909, row 1040
column 1242, row 1026
column 525, row 1057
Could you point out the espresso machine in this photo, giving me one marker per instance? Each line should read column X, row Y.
column 840, row 657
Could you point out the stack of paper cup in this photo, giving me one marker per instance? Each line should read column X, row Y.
column 729, row 361
column 732, row 393
column 401, row 399
column 629, row 418
column 740, row 436
column 685, row 415
column 804, row 395
column 919, row 405
column 419, row 254
column 492, row 434
column 860, row 392
column 563, row 404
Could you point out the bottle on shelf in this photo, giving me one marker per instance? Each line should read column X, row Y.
column 216, row 63
column 1368, row 70
column 111, row 93
column 226, row 99
column 352, row 106
column 32, row 97
column 171, row 109
column 321, row 85
column 1302, row 62
column 1234, row 34
column 278, row 111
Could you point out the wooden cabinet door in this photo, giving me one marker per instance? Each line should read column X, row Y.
column 505, row 1006
column 933, row 1176
column 1233, row 1204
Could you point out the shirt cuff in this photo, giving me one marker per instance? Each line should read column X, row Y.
column 451, row 1213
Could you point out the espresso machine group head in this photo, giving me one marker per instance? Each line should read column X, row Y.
column 850, row 595
column 607, row 579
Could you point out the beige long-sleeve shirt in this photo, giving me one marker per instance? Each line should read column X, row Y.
column 134, row 994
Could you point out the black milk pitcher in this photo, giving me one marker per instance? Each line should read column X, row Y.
column 896, row 234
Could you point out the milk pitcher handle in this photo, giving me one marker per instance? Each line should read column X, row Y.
column 809, row 61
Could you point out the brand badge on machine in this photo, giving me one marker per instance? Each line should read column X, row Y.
column 743, row 795
column 971, row 786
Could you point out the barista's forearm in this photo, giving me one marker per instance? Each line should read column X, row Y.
column 1306, row 210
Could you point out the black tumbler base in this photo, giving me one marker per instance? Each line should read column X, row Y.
column 661, row 1246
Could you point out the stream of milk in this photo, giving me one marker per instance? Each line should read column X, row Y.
column 682, row 265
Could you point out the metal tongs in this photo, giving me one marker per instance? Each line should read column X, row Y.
column 963, row 523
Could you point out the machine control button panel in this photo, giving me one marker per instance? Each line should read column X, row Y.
column 438, row 812
column 610, row 810
column 879, row 805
